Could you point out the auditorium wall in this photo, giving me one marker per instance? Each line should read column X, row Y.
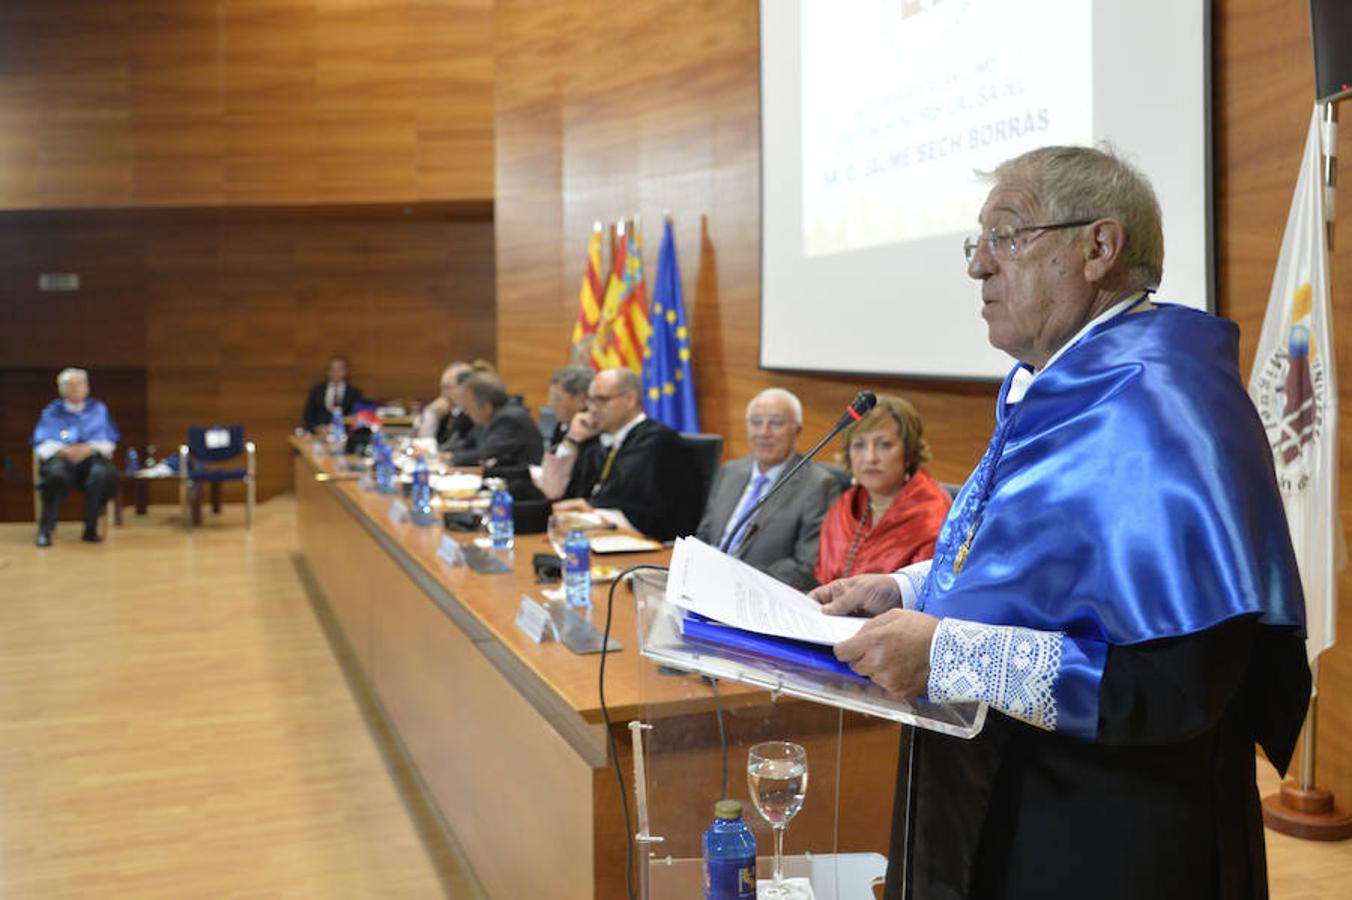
column 655, row 110
column 117, row 103
column 244, row 187
column 233, row 314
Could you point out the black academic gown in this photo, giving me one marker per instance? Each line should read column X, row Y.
column 1161, row 805
column 653, row 481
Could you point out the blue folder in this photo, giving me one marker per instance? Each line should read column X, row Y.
column 801, row 653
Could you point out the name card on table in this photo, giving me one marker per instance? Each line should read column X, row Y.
column 449, row 552
column 535, row 620
column 399, row 513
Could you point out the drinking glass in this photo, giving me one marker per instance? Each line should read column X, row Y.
column 558, row 529
column 776, row 772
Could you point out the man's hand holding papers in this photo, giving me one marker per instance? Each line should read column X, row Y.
column 892, row 648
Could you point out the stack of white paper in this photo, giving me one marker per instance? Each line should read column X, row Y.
column 716, row 586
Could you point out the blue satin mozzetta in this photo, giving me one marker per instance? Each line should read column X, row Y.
column 89, row 424
column 1128, row 497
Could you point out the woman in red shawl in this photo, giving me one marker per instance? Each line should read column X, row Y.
column 891, row 516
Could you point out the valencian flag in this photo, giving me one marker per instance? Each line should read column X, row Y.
column 589, row 298
column 668, row 391
column 624, row 329
column 1295, row 389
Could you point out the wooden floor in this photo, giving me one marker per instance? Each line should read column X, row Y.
column 174, row 723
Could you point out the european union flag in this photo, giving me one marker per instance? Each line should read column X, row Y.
column 668, row 390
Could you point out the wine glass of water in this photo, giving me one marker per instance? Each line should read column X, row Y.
column 776, row 772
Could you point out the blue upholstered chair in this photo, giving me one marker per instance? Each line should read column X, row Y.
column 200, row 462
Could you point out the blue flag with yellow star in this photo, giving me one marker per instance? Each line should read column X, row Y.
column 668, row 390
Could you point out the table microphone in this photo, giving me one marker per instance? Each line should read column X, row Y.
column 863, row 402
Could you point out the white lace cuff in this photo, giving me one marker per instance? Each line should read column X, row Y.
column 1012, row 669
column 910, row 579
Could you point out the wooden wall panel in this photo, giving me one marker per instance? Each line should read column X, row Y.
column 678, row 130
column 233, row 315
column 1264, row 90
column 117, row 103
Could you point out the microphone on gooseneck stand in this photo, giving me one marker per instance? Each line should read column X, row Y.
column 863, row 402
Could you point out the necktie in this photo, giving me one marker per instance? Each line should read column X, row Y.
column 605, row 470
column 757, row 488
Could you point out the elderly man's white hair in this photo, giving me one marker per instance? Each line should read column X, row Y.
column 68, row 373
column 778, row 393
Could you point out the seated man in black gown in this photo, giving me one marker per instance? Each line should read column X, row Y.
column 634, row 471
column 334, row 394
column 74, row 439
column 508, row 435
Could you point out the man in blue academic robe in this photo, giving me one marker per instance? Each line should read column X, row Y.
column 1115, row 580
column 74, row 439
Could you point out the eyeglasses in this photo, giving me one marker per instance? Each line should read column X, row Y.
column 600, row 399
column 774, row 423
column 1003, row 243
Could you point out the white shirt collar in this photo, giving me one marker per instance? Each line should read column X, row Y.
column 773, row 472
column 1023, row 378
column 616, row 439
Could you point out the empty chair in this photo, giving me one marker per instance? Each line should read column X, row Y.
column 200, row 463
column 707, row 452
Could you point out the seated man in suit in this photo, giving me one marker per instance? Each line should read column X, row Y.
column 634, row 471
column 445, row 418
column 781, row 538
column 439, row 418
column 74, row 439
column 509, row 436
column 568, row 397
column 332, row 395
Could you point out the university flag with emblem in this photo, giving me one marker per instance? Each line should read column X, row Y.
column 624, row 328
column 1295, row 389
column 668, row 390
column 589, row 298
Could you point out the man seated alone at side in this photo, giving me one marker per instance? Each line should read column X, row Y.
column 334, row 394
column 74, row 438
column 508, row 437
column 634, row 471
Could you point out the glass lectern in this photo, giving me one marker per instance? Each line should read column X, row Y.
column 706, row 704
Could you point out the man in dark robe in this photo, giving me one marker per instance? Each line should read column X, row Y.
column 634, row 471
column 509, row 436
column 1115, row 580
column 333, row 394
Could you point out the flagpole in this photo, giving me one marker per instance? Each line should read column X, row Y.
column 1329, row 126
column 1301, row 808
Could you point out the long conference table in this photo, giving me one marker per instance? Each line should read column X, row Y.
column 507, row 734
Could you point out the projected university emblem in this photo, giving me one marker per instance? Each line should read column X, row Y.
column 1291, row 393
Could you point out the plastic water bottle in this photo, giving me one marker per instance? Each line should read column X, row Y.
column 421, row 494
column 501, row 530
column 385, row 468
column 133, row 462
column 729, row 855
column 337, row 433
column 577, row 570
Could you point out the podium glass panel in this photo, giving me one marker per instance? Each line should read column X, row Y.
column 705, row 705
